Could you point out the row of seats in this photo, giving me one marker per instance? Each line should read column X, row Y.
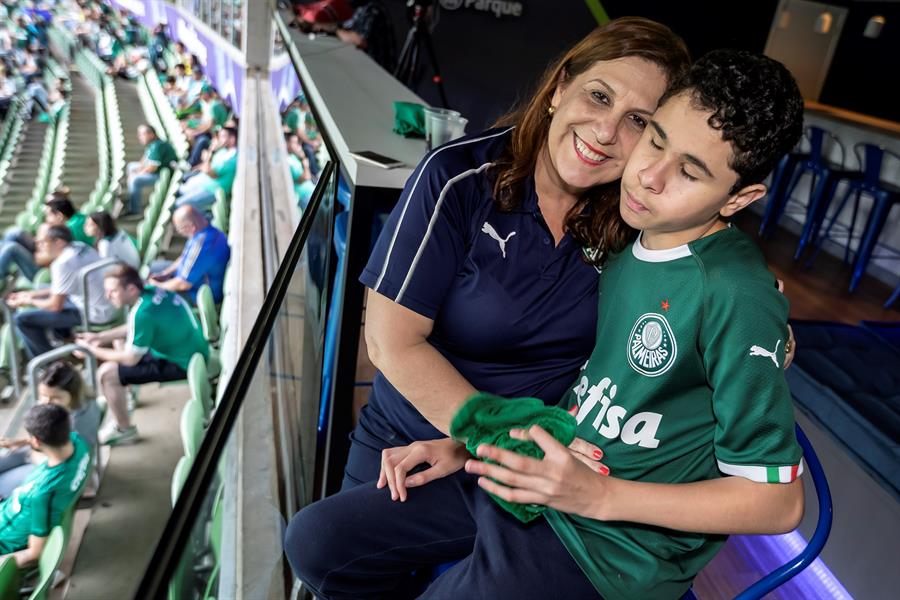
column 50, row 171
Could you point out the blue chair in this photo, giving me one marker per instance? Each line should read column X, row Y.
column 792, row 568
column 825, row 177
column 893, row 298
column 885, row 195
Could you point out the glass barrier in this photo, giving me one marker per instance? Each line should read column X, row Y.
column 197, row 555
column 222, row 16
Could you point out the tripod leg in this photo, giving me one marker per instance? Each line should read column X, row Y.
column 432, row 58
column 404, row 70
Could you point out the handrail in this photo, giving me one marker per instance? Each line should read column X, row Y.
column 174, row 537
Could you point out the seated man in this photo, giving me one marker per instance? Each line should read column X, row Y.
column 215, row 173
column 155, row 345
column 59, row 307
column 213, row 116
column 203, row 260
column 158, row 155
column 36, row 506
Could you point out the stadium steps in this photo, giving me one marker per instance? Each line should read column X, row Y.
column 131, row 114
column 82, row 164
column 23, row 172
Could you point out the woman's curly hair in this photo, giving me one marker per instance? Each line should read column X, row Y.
column 755, row 102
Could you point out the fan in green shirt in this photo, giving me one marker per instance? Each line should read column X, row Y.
column 38, row 505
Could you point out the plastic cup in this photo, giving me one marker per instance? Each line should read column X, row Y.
column 441, row 126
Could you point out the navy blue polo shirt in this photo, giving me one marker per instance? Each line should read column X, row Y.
column 513, row 313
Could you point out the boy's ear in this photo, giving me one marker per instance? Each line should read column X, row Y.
column 743, row 198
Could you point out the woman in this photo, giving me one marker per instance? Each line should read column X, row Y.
column 480, row 279
column 112, row 242
column 60, row 384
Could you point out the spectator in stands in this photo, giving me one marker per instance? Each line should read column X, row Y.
column 155, row 345
column 58, row 308
column 203, row 260
column 200, row 132
column 158, row 156
column 112, row 242
column 38, row 505
column 156, row 49
column 18, row 247
column 58, row 210
column 298, row 119
column 60, row 384
column 370, row 30
column 215, row 173
column 189, row 103
column 7, row 93
column 300, row 171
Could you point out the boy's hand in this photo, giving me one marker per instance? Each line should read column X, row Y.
column 790, row 347
column 445, row 456
column 559, row 480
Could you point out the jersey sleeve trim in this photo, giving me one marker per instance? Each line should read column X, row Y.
column 409, row 196
column 762, row 473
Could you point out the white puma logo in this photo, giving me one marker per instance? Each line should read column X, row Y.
column 489, row 229
column 760, row 351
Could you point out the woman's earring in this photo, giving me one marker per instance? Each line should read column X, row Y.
column 551, row 109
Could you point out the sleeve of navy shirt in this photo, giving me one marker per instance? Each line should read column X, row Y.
column 419, row 251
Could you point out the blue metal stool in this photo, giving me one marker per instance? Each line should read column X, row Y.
column 777, row 191
column 825, row 177
column 885, row 195
column 792, row 568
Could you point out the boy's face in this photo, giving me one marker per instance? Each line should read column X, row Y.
column 678, row 182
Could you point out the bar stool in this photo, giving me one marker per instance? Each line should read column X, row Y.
column 871, row 159
column 782, row 174
column 825, row 176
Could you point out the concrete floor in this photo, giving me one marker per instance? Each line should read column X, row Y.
column 133, row 502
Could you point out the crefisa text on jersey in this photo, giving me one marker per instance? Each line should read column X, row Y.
column 639, row 428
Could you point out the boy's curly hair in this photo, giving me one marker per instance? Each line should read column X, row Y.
column 755, row 102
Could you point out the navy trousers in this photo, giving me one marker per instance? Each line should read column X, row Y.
column 361, row 544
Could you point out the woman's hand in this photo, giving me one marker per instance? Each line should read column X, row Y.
column 445, row 456
column 562, row 479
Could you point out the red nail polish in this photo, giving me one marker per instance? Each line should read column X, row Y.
column 604, row 470
column 598, row 454
column 574, row 410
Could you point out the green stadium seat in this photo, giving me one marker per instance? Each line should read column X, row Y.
column 191, row 427
column 198, row 383
column 209, row 314
column 179, row 476
column 9, row 579
column 50, row 560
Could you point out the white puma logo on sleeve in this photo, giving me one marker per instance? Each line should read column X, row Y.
column 760, row 351
column 489, row 229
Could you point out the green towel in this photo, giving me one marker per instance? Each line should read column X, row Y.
column 409, row 119
column 487, row 419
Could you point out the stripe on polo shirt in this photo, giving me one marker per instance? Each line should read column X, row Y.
column 432, row 221
column 412, row 190
column 192, row 256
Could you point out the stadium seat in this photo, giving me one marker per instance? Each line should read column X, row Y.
column 198, row 383
column 191, row 427
column 209, row 315
column 50, row 560
column 9, row 579
column 179, row 476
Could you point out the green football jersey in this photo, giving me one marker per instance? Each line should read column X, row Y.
column 160, row 153
column 37, row 505
column 685, row 384
column 162, row 323
column 76, row 226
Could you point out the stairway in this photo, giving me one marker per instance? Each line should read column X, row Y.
column 82, row 164
column 22, row 173
column 132, row 116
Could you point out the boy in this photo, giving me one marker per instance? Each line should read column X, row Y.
column 36, row 506
column 684, row 390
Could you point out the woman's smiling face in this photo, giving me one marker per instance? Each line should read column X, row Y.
column 599, row 117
